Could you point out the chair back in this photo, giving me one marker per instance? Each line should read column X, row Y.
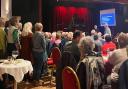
column 67, row 59
column 123, row 76
column 70, row 79
column 55, row 55
column 90, row 72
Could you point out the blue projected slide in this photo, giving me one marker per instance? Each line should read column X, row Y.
column 108, row 18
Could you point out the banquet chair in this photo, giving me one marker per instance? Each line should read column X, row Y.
column 70, row 79
column 53, row 60
column 67, row 59
column 123, row 76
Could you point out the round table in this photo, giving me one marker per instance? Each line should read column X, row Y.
column 16, row 68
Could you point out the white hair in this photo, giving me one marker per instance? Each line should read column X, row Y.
column 86, row 45
column 93, row 31
column 27, row 29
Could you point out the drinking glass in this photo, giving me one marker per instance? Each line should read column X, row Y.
column 15, row 53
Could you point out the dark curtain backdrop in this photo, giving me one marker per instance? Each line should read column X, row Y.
column 27, row 9
column 63, row 17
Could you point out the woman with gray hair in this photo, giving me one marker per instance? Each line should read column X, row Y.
column 39, row 52
column 86, row 46
column 88, row 70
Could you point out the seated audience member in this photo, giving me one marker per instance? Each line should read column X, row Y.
column 52, row 40
column 69, row 38
column 47, row 37
column 100, row 37
column 86, row 46
column 93, row 32
column 118, row 57
column 73, row 46
column 70, row 57
column 63, row 38
column 57, row 42
column 108, row 45
column 84, row 72
column 98, row 44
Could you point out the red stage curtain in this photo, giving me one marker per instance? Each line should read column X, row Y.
column 63, row 15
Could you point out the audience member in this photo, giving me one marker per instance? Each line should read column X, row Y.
column 98, row 44
column 39, row 52
column 117, row 57
column 2, row 38
column 96, row 28
column 108, row 45
column 70, row 57
column 13, row 42
column 73, row 46
column 86, row 46
column 85, row 69
column 26, row 42
column 107, row 30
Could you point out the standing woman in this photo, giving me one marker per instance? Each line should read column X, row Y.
column 39, row 51
column 13, row 42
column 26, row 42
column 2, row 38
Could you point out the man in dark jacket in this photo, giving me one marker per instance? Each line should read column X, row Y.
column 70, row 57
column 73, row 46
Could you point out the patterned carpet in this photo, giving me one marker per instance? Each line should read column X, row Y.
column 30, row 86
column 45, row 84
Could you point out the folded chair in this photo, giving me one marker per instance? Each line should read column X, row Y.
column 70, row 79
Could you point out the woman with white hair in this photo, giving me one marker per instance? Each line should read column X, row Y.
column 26, row 42
column 27, row 29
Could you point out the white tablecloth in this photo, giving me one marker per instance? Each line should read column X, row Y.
column 17, row 69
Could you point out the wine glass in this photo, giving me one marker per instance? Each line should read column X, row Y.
column 15, row 53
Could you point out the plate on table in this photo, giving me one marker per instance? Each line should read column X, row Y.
column 19, row 60
column 6, row 62
column 2, row 60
